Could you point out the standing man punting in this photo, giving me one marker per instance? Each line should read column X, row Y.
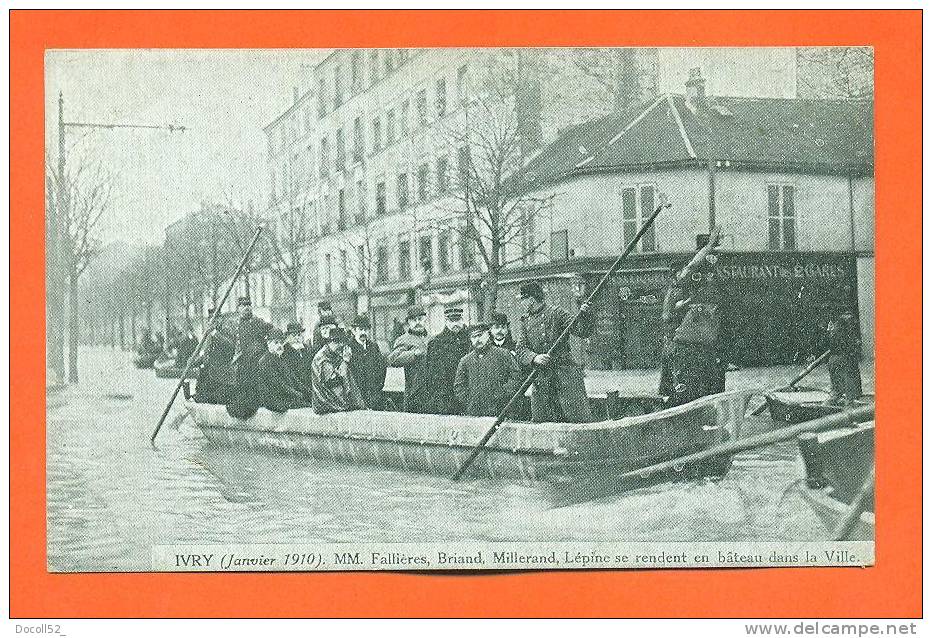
column 559, row 388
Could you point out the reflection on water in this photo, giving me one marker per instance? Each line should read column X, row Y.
column 111, row 497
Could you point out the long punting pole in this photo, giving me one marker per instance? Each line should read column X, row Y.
column 799, row 377
column 556, row 344
column 830, row 422
column 210, row 327
column 846, row 525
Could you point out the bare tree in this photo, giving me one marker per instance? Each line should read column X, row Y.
column 88, row 191
column 836, row 72
column 615, row 70
column 289, row 240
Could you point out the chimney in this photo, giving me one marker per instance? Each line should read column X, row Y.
column 695, row 87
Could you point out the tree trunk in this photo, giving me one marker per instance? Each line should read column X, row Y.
column 73, row 331
column 489, row 297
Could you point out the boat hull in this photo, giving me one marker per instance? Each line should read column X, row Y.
column 518, row 452
column 788, row 407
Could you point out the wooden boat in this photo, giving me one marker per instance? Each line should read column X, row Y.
column 166, row 369
column 795, row 405
column 837, row 464
column 145, row 360
column 519, row 452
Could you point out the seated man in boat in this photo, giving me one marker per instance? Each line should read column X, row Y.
column 250, row 342
column 326, row 319
column 367, row 365
column 332, row 385
column 559, row 388
column 844, row 344
column 215, row 379
column 297, row 357
column 487, row 376
column 185, row 347
column 410, row 352
column 444, row 352
column 271, row 386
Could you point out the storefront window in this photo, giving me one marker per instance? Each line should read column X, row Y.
column 781, row 213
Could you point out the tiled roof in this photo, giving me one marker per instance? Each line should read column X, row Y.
column 773, row 133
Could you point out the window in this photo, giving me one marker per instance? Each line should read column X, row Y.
column 390, row 128
column 423, row 187
column 324, row 156
column 321, row 98
column 358, row 146
column 376, row 135
column 462, row 165
column 381, row 263
column 361, row 199
column 344, row 270
column 380, row 203
column 637, row 204
column 373, row 66
column 328, row 284
column 443, row 251
column 462, row 87
column 559, row 246
column 405, row 109
column 404, row 259
column 341, row 151
column 341, row 209
column 441, row 97
column 781, row 213
column 356, row 72
column 422, row 107
column 443, row 175
column 402, row 191
column 426, row 253
column 337, row 86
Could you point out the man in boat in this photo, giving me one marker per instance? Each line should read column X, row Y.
column 844, row 345
column 297, row 358
column 215, row 379
column 500, row 332
column 559, row 388
column 368, row 365
column 332, row 384
column 696, row 358
column 187, row 344
column 270, row 386
column 675, row 304
column 487, row 376
column 325, row 321
column 250, row 342
column 444, row 352
column 410, row 352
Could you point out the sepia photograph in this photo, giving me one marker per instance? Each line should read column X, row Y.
column 459, row 308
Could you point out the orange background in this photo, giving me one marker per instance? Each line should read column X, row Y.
column 892, row 588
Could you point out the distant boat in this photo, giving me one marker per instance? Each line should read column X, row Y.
column 837, row 464
column 796, row 405
column 519, row 452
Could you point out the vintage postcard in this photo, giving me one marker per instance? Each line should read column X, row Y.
column 459, row 309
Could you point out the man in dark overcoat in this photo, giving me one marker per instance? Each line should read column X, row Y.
column 410, row 352
column 270, row 386
column 368, row 365
column 486, row 377
column 444, row 352
column 297, row 358
column 559, row 388
column 250, row 341
column 215, row 378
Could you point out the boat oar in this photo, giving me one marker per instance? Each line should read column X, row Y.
column 799, row 377
column 210, row 327
column 556, row 344
column 841, row 419
column 858, row 505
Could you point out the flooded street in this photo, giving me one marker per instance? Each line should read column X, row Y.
column 111, row 497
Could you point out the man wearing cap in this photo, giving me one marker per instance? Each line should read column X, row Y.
column 296, row 357
column 215, row 378
column 368, row 365
column 444, row 352
column 559, row 388
column 325, row 321
column 332, row 385
column 270, row 386
column 487, row 376
column 250, row 342
column 410, row 352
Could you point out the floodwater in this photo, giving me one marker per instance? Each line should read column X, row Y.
column 111, row 496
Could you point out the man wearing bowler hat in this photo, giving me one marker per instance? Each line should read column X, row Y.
column 559, row 388
column 368, row 365
column 270, row 386
column 487, row 376
column 297, row 358
column 410, row 352
column 444, row 352
column 250, row 341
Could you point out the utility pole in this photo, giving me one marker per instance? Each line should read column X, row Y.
column 59, row 239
